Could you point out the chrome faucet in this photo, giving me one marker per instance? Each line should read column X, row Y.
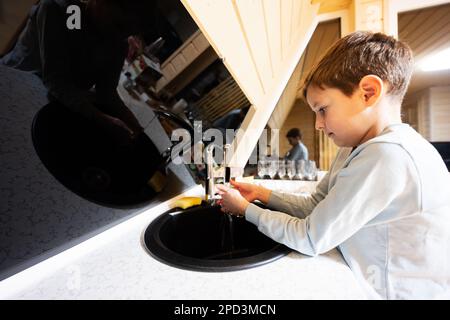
column 209, row 182
column 214, row 172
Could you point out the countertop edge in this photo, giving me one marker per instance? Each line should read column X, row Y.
column 35, row 273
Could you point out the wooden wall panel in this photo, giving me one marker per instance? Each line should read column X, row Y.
column 302, row 117
column 434, row 26
column 440, row 113
column 423, row 114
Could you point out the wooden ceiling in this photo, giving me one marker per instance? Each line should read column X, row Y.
column 323, row 37
column 332, row 5
column 427, row 31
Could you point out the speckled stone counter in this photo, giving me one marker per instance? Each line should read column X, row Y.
column 56, row 245
column 115, row 265
column 39, row 217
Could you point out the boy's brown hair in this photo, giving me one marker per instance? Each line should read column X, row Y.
column 359, row 54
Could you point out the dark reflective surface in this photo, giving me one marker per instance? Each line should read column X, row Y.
column 88, row 162
column 205, row 239
column 444, row 150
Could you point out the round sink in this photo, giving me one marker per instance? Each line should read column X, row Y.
column 203, row 238
column 87, row 162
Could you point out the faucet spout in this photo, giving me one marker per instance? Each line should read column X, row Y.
column 209, row 183
column 222, row 172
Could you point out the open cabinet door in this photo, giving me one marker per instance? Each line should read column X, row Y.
column 260, row 42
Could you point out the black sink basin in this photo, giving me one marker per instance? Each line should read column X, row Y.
column 203, row 238
column 87, row 161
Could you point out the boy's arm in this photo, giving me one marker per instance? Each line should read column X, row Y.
column 299, row 205
column 366, row 187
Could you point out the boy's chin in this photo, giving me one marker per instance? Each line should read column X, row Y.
column 340, row 144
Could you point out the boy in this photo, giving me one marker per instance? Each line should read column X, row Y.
column 385, row 203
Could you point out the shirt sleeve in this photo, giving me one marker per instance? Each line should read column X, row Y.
column 363, row 189
column 53, row 53
column 299, row 205
column 295, row 153
column 305, row 155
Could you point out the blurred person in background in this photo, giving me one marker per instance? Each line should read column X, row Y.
column 298, row 150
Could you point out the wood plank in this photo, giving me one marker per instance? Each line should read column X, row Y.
column 169, row 71
column 217, row 19
column 272, row 16
column 251, row 13
column 286, row 10
column 179, row 63
column 175, row 53
column 332, row 5
column 297, row 17
column 190, row 52
column 176, row 84
column 201, row 43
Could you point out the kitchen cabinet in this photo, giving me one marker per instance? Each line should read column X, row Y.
column 185, row 64
column 260, row 43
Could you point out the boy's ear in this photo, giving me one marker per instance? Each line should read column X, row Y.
column 371, row 87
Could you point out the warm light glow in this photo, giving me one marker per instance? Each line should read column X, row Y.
column 438, row 61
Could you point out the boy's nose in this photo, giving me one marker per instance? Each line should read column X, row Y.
column 319, row 124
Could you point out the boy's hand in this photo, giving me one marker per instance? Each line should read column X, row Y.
column 232, row 201
column 252, row 192
column 247, row 190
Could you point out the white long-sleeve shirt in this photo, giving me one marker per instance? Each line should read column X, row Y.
column 385, row 205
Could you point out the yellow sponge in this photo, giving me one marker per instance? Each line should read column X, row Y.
column 187, row 202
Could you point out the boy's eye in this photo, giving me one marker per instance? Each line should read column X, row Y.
column 322, row 110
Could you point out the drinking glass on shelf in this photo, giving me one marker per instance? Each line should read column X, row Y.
column 310, row 170
column 281, row 169
column 301, row 169
column 272, row 168
column 290, row 169
column 262, row 168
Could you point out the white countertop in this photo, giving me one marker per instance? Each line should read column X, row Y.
column 114, row 265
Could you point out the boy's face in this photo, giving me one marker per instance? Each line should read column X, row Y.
column 343, row 119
